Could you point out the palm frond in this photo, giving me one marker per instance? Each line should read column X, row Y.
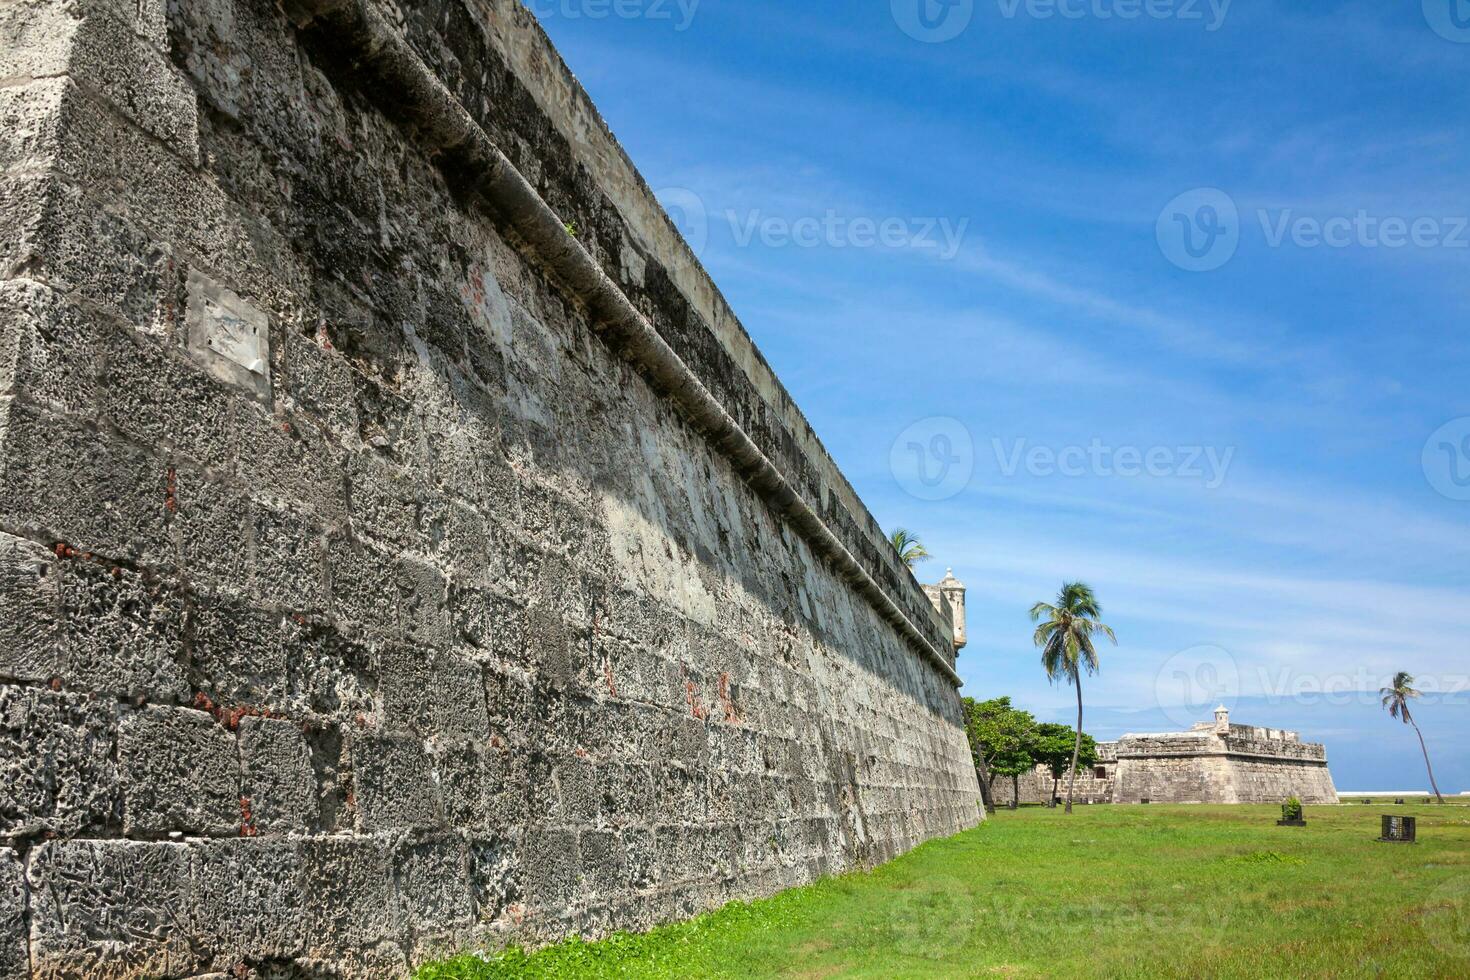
column 1065, row 632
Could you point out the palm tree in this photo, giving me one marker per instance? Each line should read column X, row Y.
column 1396, row 699
column 1065, row 637
column 910, row 549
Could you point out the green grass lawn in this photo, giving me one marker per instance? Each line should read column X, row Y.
column 1109, row 891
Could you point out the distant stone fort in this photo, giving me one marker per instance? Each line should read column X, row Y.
column 1213, row 762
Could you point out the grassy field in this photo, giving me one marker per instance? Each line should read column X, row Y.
column 1109, row 891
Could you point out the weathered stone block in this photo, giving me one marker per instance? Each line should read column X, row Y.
column 641, row 859
column 384, row 500
column 123, row 630
column 30, row 116
column 288, row 559
column 488, row 622
column 239, row 654
column 113, row 910
column 395, row 785
column 87, row 250
column 48, row 348
column 279, row 780
column 604, row 861
column 462, row 784
column 246, row 899
column 289, row 461
column 161, row 399
column 328, row 674
column 30, row 611
column 497, row 876
column 424, row 604
column 552, row 866
column 433, row 693
column 319, row 381
column 211, row 522
column 181, row 772
column 56, row 763
column 364, row 591
column 64, row 481
column 350, row 899
column 577, row 790
column 552, row 647
column 14, row 942
column 434, row 882
column 510, row 794
column 104, row 50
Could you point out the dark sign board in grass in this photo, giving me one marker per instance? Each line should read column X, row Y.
column 1158, row 891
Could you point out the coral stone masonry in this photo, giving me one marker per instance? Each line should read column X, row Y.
column 403, row 547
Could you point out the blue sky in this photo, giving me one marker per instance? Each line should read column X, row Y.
column 1174, row 303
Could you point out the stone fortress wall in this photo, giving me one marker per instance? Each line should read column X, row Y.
column 402, row 546
column 1214, row 762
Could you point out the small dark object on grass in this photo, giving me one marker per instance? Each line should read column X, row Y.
column 1400, row 830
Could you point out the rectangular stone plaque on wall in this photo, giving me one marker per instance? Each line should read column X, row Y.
column 228, row 336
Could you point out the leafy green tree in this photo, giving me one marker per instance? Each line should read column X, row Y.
column 1396, row 699
column 1053, row 746
column 1000, row 739
column 1065, row 634
column 910, row 549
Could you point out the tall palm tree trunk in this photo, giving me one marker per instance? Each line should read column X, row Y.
column 1077, row 746
column 1422, row 748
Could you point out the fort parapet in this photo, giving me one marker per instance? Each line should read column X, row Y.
column 403, row 547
